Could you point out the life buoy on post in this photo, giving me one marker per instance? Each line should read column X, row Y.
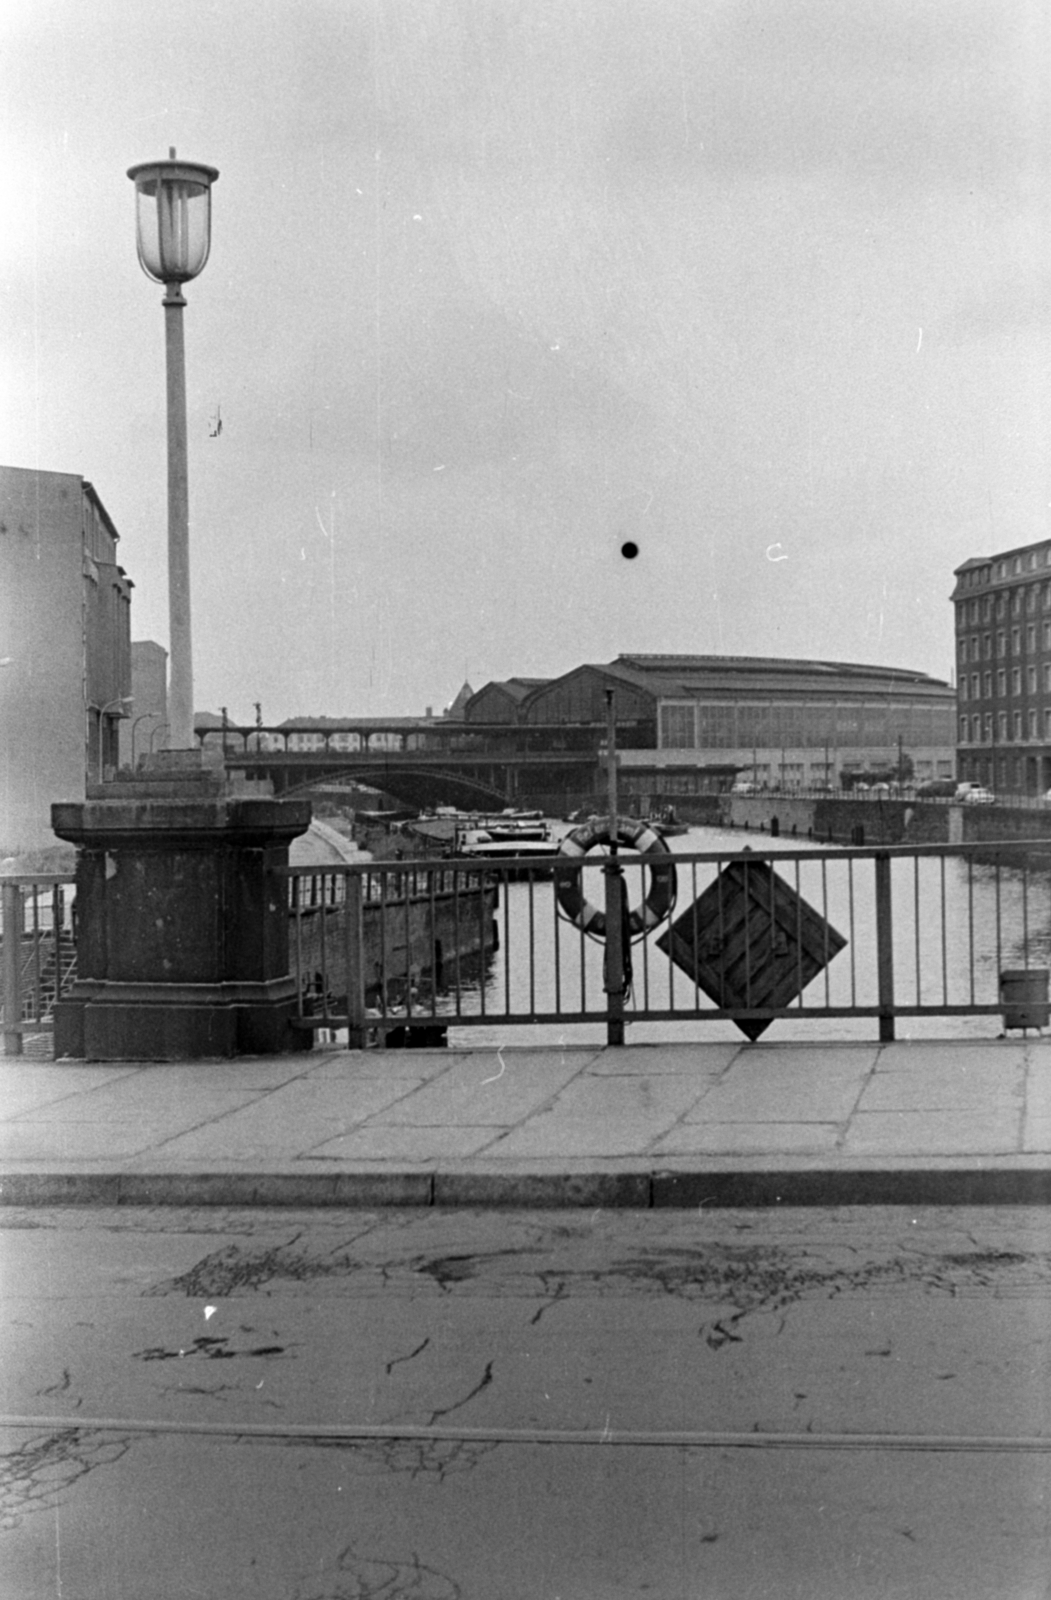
column 639, row 836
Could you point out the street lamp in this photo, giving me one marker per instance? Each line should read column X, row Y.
column 155, row 731
column 173, row 211
column 145, row 717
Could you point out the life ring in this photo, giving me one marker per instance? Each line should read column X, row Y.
column 633, row 836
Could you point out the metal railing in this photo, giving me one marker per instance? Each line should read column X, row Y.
column 389, row 950
column 755, row 935
column 37, row 953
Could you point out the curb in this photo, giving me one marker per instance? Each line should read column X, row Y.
column 897, row 1186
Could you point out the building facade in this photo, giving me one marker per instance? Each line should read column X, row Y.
column 146, row 727
column 65, row 641
column 689, row 723
column 1002, row 609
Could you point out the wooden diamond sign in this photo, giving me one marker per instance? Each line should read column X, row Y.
column 751, row 943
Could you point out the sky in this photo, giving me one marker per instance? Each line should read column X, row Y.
column 497, row 286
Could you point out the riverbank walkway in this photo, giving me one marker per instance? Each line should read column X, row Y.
column 965, row 1121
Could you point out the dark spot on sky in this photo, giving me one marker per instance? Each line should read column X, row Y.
column 629, row 549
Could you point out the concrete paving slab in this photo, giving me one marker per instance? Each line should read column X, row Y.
column 405, row 1144
column 612, row 1116
column 646, row 1060
column 734, row 1138
column 288, row 1121
column 988, row 1132
column 799, row 1095
column 486, row 1090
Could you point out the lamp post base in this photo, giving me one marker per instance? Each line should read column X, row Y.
column 182, row 921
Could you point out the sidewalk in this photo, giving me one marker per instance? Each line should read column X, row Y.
column 956, row 1122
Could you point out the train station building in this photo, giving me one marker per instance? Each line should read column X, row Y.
column 684, row 722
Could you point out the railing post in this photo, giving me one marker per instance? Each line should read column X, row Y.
column 11, row 903
column 613, row 962
column 884, row 948
column 355, row 964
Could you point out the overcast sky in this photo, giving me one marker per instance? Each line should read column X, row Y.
column 497, row 285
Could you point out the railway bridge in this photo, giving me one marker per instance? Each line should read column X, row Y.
column 418, row 761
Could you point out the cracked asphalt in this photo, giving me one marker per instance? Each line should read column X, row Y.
column 339, row 1404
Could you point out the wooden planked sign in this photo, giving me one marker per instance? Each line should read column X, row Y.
column 751, row 942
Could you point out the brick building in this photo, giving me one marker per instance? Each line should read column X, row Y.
column 1003, row 669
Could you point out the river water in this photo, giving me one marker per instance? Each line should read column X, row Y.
column 956, row 927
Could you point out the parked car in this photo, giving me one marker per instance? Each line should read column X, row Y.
column 745, row 786
column 976, row 796
column 937, row 789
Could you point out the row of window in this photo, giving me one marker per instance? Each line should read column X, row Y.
column 980, row 646
column 743, row 725
column 1011, row 602
column 1009, row 725
column 979, row 686
column 1006, row 567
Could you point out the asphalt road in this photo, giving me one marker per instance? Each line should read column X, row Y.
column 525, row 1406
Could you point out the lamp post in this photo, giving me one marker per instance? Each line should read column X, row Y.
column 173, row 208
column 155, row 731
column 146, row 716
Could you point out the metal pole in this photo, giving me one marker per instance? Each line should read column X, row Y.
column 884, row 949
column 180, row 686
column 613, row 976
column 11, row 896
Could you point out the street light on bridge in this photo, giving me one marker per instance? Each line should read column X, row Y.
column 173, row 210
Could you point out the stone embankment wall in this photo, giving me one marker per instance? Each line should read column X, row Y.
column 885, row 821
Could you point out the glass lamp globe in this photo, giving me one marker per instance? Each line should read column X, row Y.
column 173, row 216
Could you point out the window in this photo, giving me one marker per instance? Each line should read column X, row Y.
column 1001, row 604
column 1018, row 725
column 1047, row 723
column 1001, row 681
column 1031, row 563
column 976, row 687
column 1016, row 680
column 974, row 611
column 1032, row 725
column 976, row 647
column 1031, row 679
column 1002, row 725
column 963, row 685
column 1032, row 597
column 961, row 649
column 988, row 641
column 988, row 727
column 1030, row 637
column 1016, row 603
column 1016, row 641
column 678, row 727
column 987, row 686
column 1047, row 635
column 1001, row 642
column 1018, row 564
column 976, row 730
column 987, row 608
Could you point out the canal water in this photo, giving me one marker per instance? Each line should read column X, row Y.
column 957, row 926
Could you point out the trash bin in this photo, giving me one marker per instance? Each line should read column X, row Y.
column 1023, row 997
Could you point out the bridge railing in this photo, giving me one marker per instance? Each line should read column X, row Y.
column 848, row 938
column 37, row 953
column 754, row 937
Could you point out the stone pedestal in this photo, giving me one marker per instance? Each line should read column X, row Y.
column 182, row 918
